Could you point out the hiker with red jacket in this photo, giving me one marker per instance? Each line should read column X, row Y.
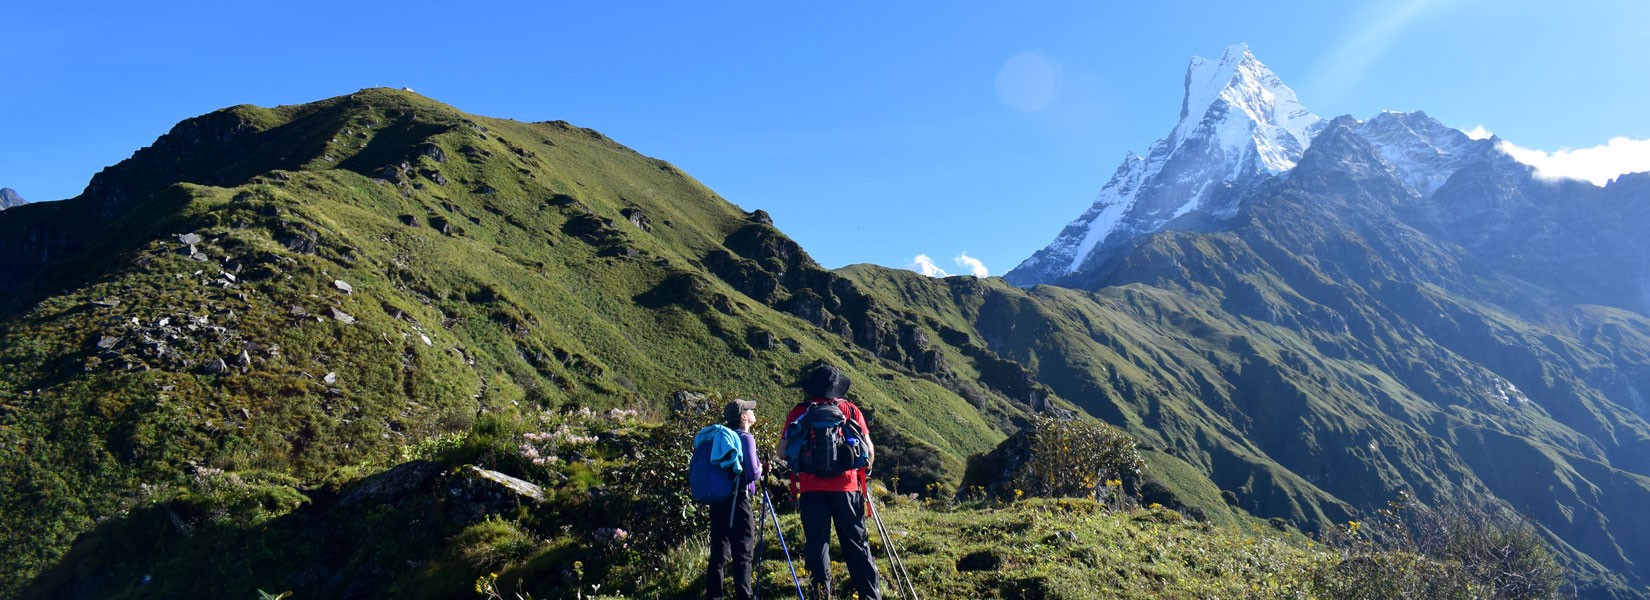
column 827, row 430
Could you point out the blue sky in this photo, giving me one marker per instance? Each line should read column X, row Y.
column 871, row 133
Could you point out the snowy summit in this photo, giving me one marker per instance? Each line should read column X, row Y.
column 1238, row 124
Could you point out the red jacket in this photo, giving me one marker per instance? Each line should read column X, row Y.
column 850, row 481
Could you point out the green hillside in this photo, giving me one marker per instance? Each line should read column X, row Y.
column 403, row 271
column 275, row 340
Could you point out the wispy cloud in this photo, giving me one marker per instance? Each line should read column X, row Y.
column 1479, row 133
column 974, row 266
column 1344, row 66
column 923, row 264
column 1598, row 164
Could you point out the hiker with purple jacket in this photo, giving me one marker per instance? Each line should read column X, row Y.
column 736, row 536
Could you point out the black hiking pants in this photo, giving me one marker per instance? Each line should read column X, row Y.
column 819, row 510
column 737, row 538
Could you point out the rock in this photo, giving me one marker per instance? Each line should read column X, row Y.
column 245, row 358
column 189, row 239
column 762, row 340
column 216, row 367
column 302, row 242
column 330, row 379
column 409, row 220
column 689, row 401
column 108, row 342
column 299, row 311
column 760, row 216
column 343, row 317
column 402, row 481
column 433, row 151
column 107, row 302
column 342, row 286
column 637, row 218
column 474, row 492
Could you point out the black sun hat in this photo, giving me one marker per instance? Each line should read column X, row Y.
column 826, row 381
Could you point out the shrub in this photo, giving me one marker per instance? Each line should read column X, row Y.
column 1053, row 458
column 1459, row 550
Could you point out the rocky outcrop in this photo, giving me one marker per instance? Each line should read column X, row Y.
column 9, row 198
column 473, row 493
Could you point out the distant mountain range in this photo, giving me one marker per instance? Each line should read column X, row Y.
column 268, row 311
column 1436, row 318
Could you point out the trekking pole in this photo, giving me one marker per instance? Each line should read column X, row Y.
column 761, row 546
column 902, row 577
column 768, row 501
column 895, row 564
column 782, row 547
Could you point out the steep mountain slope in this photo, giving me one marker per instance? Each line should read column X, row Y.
column 289, row 294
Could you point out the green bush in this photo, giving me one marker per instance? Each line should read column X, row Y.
column 1054, row 458
column 1451, row 551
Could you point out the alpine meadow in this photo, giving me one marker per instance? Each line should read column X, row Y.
column 373, row 346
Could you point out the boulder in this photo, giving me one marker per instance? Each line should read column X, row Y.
column 433, row 151
column 474, row 492
column 689, row 401
column 399, row 482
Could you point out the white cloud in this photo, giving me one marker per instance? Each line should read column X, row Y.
column 1479, row 133
column 923, row 264
column 974, row 266
column 1597, row 165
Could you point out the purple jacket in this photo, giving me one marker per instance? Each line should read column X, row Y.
column 753, row 465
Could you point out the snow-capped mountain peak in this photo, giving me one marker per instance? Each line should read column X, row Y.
column 1249, row 103
column 1238, row 123
column 1422, row 151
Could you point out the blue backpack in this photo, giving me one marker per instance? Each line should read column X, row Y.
column 718, row 460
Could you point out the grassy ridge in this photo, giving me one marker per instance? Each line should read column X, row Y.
column 488, row 268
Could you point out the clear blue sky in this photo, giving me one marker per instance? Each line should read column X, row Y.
column 871, row 132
